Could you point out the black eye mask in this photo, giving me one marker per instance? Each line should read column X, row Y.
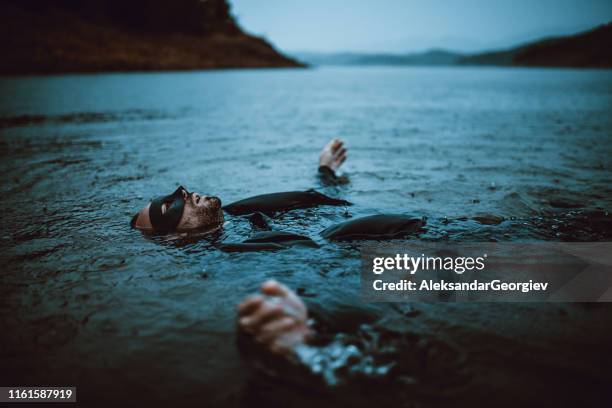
column 175, row 204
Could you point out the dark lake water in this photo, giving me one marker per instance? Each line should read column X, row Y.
column 88, row 301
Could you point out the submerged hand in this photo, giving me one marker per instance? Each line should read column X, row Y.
column 333, row 154
column 278, row 320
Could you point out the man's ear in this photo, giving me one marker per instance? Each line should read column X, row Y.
column 185, row 195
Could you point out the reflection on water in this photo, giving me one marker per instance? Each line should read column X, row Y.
column 484, row 154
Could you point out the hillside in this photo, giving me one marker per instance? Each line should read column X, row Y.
column 588, row 49
column 110, row 35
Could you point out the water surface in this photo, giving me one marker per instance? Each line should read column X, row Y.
column 88, row 301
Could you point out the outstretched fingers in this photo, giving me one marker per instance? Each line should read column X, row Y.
column 277, row 318
column 333, row 145
column 333, row 154
column 249, row 305
column 266, row 312
column 340, row 156
column 274, row 288
column 273, row 329
column 340, row 152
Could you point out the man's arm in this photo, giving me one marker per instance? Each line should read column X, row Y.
column 331, row 158
column 277, row 320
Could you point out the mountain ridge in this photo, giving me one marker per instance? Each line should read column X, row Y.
column 587, row 49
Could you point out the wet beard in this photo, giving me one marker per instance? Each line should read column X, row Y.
column 204, row 218
column 209, row 218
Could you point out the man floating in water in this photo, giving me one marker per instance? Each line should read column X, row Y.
column 278, row 320
column 183, row 211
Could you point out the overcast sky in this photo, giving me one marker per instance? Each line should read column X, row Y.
column 414, row 25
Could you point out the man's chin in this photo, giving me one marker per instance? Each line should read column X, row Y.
column 217, row 216
column 220, row 217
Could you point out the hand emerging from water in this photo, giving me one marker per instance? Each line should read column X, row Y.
column 278, row 320
column 333, row 155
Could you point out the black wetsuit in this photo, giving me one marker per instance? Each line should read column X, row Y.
column 258, row 208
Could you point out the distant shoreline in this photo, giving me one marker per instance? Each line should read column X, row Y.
column 301, row 67
column 500, row 67
column 589, row 49
column 156, row 71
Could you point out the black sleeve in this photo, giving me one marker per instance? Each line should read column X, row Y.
column 329, row 178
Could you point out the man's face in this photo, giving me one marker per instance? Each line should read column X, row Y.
column 200, row 211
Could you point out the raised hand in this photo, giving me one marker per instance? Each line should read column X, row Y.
column 333, row 154
column 278, row 320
